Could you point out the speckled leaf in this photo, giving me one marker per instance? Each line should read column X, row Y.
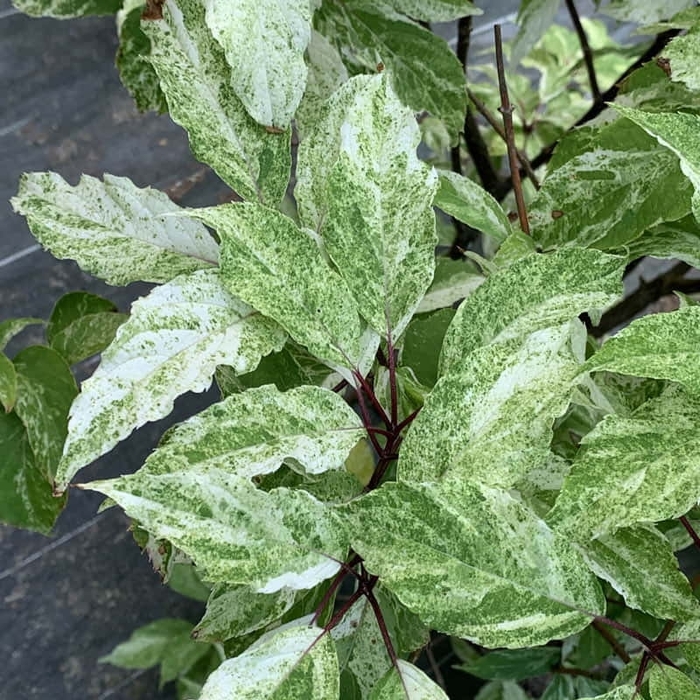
column 640, row 469
column 136, row 73
column 26, row 499
column 375, row 200
column 407, row 682
column 666, row 683
column 472, row 561
column 535, row 17
column 172, row 343
column 13, row 326
column 689, row 633
column 114, row 230
column 462, row 198
column 624, row 692
column 296, row 661
column 533, row 293
column 678, row 132
column 8, row 383
column 234, row 532
column 277, row 268
column 643, row 11
column 253, row 433
column 196, row 80
column 453, row 281
column 67, row 8
column 683, row 53
column 661, row 346
column 640, row 565
column 432, row 10
column 264, row 42
column 490, row 419
column 45, row 391
column 369, row 36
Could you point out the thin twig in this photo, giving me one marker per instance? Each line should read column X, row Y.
column 691, row 531
column 610, row 639
column 586, row 48
column 493, row 122
column 507, row 111
column 437, row 673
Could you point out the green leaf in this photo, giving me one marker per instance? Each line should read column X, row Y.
column 296, row 661
column 172, row 343
column 423, row 335
column 114, row 230
column 26, row 498
column 678, row 133
column 689, row 634
column 502, row 690
column 196, row 80
column 513, row 664
column 666, row 683
column 253, row 433
column 535, row 292
column 136, row 73
column 407, row 682
column 67, row 8
column 45, row 391
column 490, row 420
column 661, row 346
column 370, row 198
column 370, row 36
column 534, row 18
column 462, row 198
column 561, row 688
column 640, row 469
column 643, row 11
column 278, row 269
column 264, row 43
column 472, row 561
column 165, row 642
column 640, row 565
column 613, row 183
column 432, row 10
column 453, row 281
column 13, row 326
column 8, row 383
column 82, row 325
column 234, row 532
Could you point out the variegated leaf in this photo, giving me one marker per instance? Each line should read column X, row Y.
column 453, row 281
column 113, row 229
column 264, row 42
column 683, row 53
column 640, row 565
column 666, row 683
column 8, row 383
column 661, row 346
column 472, row 561
column 407, row 682
column 13, row 326
column 490, row 419
column 501, row 690
column 535, row 292
column 277, row 268
column 640, row 469
column 296, row 661
column 372, row 198
column 234, row 532
column 172, row 343
column 623, row 692
column 67, row 8
column 253, row 433
column 431, row 10
column 644, row 11
column 196, row 80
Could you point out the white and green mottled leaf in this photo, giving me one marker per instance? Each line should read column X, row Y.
column 26, row 498
column 432, row 10
column 453, row 281
column 473, row 561
column 253, row 433
column 234, row 532
column 264, row 42
column 407, row 682
column 502, row 690
column 327, row 73
column 683, row 53
column 534, row 18
column 631, row 470
column 67, row 8
column 374, row 201
column 172, row 343
column 660, row 346
column 462, row 198
column 490, row 419
column 196, row 80
column 640, row 565
column 623, row 692
column 535, row 292
column 678, row 133
column 688, row 633
column 279, row 270
column 13, row 326
column 297, row 661
column 370, row 36
column 45, row 390
column 113, row 229
column 517, row 246
column 8, row 383
column 643, row 11
column 666, row 683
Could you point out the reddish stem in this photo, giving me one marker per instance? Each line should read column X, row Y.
column 691, row 530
